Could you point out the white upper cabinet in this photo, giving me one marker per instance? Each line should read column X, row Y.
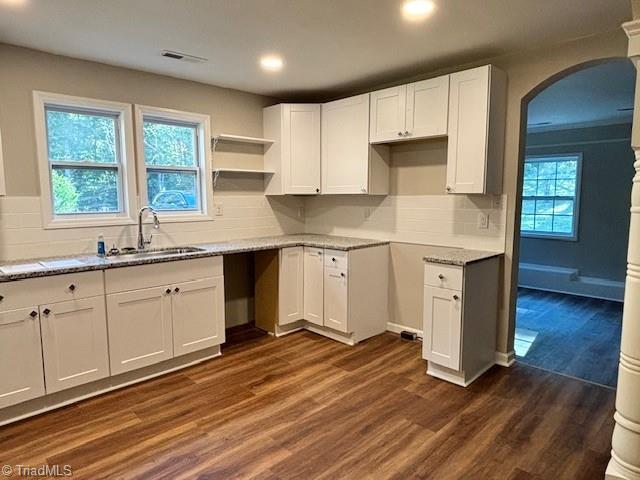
column 349, row 164
column 388, row 114
column 295, row 154
column 409, row 112
column 427, row 108
column 476, row 131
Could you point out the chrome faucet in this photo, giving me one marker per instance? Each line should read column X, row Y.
column 142, row 243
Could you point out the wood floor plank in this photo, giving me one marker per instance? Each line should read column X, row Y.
column 303, row 406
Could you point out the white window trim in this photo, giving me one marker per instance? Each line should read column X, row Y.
column 203, row 123
column 127, row 154
column 576, row 205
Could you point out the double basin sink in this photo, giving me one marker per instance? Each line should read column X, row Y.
column 132, row 253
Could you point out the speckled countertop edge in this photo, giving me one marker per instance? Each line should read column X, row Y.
column 460, row 256
column 92, row 262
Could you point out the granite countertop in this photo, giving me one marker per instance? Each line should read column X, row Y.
column 458, row 256
column 43, row 267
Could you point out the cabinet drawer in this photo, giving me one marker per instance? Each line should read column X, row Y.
column 443, row 276
column 58, row 288
column 336, row 259
column 158, row 274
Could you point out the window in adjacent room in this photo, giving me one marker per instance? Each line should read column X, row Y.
column 84, row 148
column 550, row 198
column 172, row 148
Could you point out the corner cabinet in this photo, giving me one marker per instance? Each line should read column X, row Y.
column 477, row 106
column 333, row 292
column 459, row 319
column 410, row 112
column 295, row 154
column 349, row 164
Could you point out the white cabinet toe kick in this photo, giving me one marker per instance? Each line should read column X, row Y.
column 459, row 319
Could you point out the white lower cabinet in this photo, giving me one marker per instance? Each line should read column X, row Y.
column 443, row 323
column 21, row 375
column 313, row 295
column 197, row 309
column 291, row 285
column 74, row 342
column 459, row 319
column 140, row 328
column 336, row 288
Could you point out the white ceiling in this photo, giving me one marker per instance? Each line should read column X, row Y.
column 329, row 46
column 588, row 97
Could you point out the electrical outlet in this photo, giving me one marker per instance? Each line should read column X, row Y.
column 483, row 220
column 219, row 209
column 300, row 212
column 497, row 202
column 367, row 212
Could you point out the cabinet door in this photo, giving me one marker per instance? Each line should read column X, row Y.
column 313, row 285
column 468, row 123
column 345, row 145
column 336, row 311
column 74, row 342
column 198, row 315
column 140, row 330
column 301, row 148
column 388, row 111
column 21, row 375
column 442, row 326
column 291, row 286
column 428, row 107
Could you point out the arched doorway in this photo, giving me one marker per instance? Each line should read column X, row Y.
column 572, row 219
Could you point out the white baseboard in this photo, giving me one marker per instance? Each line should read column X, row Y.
column 397, row 328
column 505, row 359
column 569, row 281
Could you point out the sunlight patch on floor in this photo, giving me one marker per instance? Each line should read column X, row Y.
column 524, row 341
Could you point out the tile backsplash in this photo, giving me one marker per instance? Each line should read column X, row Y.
column 22, row 234
column 448, row 220
column 426, row 219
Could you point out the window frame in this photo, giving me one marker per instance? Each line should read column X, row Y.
column 125, row 166
column 202, row 123
column 573, row 237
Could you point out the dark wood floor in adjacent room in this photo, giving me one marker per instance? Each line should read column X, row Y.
column 305, row 407
column 571, row 335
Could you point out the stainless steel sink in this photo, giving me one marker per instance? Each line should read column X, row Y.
column 154, row 252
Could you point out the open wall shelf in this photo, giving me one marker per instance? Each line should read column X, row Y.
column 218, row 171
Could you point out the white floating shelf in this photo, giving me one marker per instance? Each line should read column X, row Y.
column 218, row 171
column 227, row 137
column 241, row 170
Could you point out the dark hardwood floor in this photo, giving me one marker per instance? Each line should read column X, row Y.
column 575, row 336
column 305, row 407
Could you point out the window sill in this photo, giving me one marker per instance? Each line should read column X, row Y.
column 167, row 217
column 59, row 223
column 544, row 236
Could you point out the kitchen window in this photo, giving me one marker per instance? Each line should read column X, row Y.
column 85, row 147
column 550, row 198
column 173, row 162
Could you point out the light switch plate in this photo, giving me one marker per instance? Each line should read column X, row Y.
column 483, row 220
column 219, row 209
column 497, row 202
column 367, row 212
column 300, row 212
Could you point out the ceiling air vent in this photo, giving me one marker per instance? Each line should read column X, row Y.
column 184, row 57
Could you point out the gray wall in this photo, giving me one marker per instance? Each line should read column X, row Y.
column 603, row 230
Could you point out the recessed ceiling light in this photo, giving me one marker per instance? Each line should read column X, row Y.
column 416, row 10
column 271, row 63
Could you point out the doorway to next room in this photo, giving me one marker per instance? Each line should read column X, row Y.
column 575, row 223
